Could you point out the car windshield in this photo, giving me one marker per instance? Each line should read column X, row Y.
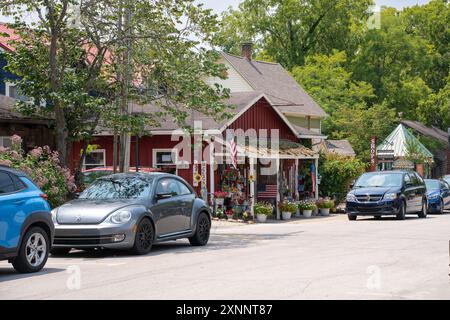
column 118, row 188
column 91, row 176
column 432, row 184
column 379, row 180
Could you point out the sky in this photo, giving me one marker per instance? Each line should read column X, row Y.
column 221, row 5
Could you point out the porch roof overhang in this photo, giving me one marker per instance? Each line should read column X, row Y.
column 284, row 149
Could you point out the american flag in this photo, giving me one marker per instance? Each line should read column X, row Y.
column 233, row 148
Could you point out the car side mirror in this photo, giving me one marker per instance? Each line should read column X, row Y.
column 161, row 196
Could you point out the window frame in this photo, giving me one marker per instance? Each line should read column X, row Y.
column 2, row 138
column 99, row 166
column 174, row 156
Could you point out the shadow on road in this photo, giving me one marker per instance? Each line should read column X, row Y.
column 223, row 241
column 8, row 273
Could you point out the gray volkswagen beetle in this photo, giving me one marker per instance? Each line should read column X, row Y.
column 131, row 211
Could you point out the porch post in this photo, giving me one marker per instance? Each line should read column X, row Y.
column 316, row 163
column 252, row 185
column 211, row 174
column 296, row 179
column 278, row 187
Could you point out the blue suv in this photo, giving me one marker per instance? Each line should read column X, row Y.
column 26, row 227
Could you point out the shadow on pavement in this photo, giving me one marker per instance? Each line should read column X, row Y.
column 220, row 241
column 8, row 273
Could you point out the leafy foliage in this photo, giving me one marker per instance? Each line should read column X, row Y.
column 44, row 167
column 338, row 172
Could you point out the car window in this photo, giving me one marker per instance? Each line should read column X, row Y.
column 6, row 183
column 420, row 180
column 183, row 188
column 407, row 179
column 444, row 185
column 415, row 181
column 168, row 186
column 19, row 185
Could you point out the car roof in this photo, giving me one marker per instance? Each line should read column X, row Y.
column 135, row 174
column 13, row 171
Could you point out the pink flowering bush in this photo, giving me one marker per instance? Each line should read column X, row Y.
column 43, row 166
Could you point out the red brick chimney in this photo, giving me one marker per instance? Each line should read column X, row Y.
column 247, row 50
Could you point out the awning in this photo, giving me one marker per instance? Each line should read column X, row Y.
column 284, row 149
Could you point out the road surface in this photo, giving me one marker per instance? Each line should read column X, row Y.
column 321, row 258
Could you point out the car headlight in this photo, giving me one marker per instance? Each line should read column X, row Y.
column 54, row 212
column 121, row 216
column 434, row 197
column 390, row 196
column 351, row 197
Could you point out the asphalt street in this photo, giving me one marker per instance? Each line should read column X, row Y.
column 320, row 258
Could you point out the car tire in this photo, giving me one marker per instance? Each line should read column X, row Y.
column 442, row 207
column 401, row 212
column 202, row 231
column 60, row 251
column 351, row 217
column 143, row 241
column 424, row 210
column 36, row 244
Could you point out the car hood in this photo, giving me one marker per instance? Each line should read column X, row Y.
column 83, row 211
column 374, row 190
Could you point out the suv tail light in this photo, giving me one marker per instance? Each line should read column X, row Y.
column 44, row 196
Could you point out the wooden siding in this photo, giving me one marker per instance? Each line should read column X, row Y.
column 262, row 116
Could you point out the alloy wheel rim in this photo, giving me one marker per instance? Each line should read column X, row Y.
column 36, row 249
column 203, row 229
column 145, row 235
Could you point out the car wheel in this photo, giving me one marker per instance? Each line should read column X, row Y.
column 424, row 210
column 60, row 251
column 144, row 237
column 351, row 217
column 401, row 212
column 201, row 236
column 33, row 252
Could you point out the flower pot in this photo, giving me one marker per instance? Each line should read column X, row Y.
column 307, row 213
column 261, row 218
column 286, row 215
column 219, row 201
column 325, row 211
column 229, row 216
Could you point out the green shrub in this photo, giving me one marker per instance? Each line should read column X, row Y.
column 337, row 172
column 286, row 206
column 325, row 204
column 43, row 167
column 306, row 205
column 263, row 208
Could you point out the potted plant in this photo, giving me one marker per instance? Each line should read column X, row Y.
column 220, row 214
column 262, row 210
column 307, row 208
column 287, row 208
column 229, row 213
column 325, row 205
column 219, row 196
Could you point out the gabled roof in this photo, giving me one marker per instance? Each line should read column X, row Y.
column 398, row 141
column 6, row 35
column 341, row 147
column 278, row 85
column 432, row 132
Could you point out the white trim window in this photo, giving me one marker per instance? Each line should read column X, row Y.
column 94, row 159
column 5, row 142
column 164, row 157
column 11, row 90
